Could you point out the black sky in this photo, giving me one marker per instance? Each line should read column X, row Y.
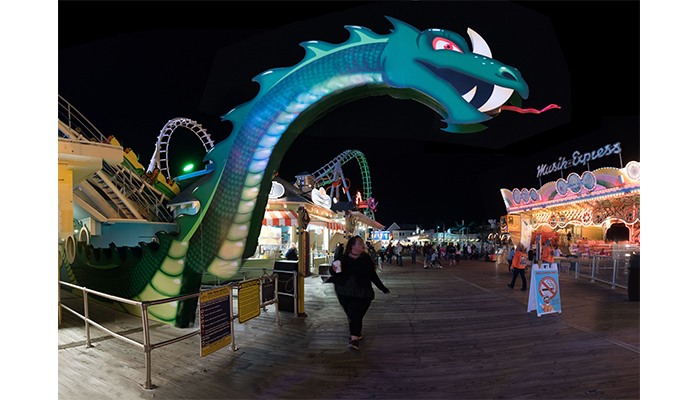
column 130, row 67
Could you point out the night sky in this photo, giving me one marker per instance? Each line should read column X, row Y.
column 130, row 67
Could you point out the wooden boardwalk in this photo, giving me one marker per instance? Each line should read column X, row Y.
column 456, row 332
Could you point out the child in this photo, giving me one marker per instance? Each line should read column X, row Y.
column 435, row 258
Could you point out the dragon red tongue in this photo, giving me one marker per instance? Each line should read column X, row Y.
column 529, row 110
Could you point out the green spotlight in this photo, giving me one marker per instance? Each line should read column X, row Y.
column 188, row 167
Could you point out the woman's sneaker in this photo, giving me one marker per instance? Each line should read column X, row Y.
column 354, row 348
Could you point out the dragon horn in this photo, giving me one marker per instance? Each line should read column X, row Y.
column 479, row 44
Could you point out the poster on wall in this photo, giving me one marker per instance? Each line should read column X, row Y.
column 545, row 294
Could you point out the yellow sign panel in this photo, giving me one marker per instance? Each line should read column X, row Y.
column 248, row 300
column 214, row 320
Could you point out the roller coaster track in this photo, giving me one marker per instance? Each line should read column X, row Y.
column 325, row 176
column 160, row 155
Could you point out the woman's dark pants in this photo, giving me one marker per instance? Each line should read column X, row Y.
column 355, row 308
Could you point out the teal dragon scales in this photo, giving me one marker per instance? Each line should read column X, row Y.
column 434, row 67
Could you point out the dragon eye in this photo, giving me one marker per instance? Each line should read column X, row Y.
column 445, row 44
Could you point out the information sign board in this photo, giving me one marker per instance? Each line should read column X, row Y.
column 215, row 319
column 545, row 294
column 268, row 291
column 248, row 300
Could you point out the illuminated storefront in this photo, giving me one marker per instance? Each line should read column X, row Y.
column 580, row 212
column 281, row 220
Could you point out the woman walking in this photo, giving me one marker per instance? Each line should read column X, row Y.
column 353, row 276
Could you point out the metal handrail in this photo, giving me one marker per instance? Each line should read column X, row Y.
column 137, row 189
column 146, row 346
column 594, row 269
column 75, row 120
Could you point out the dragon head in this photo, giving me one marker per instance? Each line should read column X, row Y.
column 462, row 85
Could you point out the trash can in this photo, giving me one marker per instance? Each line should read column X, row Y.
column 324, row 271
column 633, row 283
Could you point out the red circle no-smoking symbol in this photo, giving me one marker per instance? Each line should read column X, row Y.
column 548, row 287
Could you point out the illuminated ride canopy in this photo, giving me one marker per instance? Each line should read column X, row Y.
column 434, row 67
column 594, row 198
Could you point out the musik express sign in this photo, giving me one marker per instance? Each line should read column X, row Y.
column 578, row 158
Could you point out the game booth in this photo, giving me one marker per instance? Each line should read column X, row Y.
column 592, row 218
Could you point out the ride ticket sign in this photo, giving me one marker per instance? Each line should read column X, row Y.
column 214, row 319
column 545, row 295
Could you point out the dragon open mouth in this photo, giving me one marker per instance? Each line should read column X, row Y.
column 482, row 95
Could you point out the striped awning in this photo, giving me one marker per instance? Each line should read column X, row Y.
column 280, row 218
column 326, row 222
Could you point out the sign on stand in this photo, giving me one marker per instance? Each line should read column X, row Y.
column 545, row 295
column 215, row 319
column 248, row 300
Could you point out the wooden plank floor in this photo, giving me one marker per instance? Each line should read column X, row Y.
column 456, row 332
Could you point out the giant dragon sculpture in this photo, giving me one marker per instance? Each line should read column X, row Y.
column 434, row 67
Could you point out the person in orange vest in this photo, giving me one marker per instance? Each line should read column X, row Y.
column 548, row 252
column 518, row 266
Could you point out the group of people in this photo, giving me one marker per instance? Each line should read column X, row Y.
column 354, row 271
column 432, row 253
column 518, row 260
column 394, row 251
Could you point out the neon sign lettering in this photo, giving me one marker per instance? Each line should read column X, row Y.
column 578, row 158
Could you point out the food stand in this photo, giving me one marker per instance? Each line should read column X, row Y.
column 281, row 214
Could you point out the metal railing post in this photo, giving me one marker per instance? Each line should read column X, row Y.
column 277, row 299
column 87, row 320
column 146, row 345
column 296, row 311
column 233, row 338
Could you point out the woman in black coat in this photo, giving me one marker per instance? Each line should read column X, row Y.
column 353, row 276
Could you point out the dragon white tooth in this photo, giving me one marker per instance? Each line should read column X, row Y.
column 469, row 95
column 499, row 96
column 479, row 45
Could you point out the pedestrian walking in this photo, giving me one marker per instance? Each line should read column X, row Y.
column 373, row 254
column 399, row 257
column 353, row 276
column 548, row 252
column 426, row 255
column 451, row 253
column 338, row 251
column 413, row 253
column 435, row 258
column 511, row 254
column 518, row 266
